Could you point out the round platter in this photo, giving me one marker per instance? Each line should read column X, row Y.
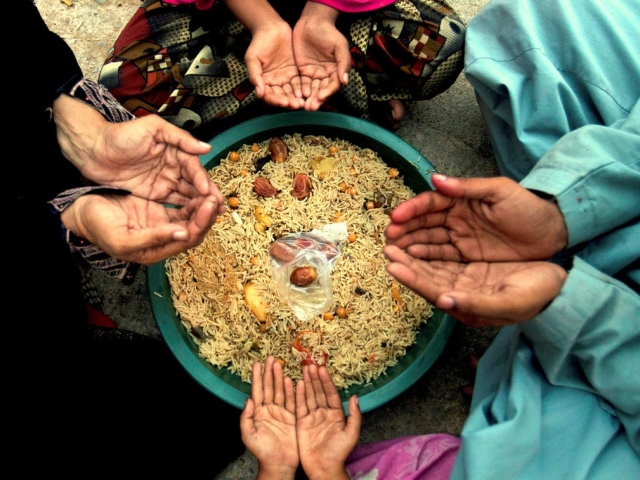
column 416, row 172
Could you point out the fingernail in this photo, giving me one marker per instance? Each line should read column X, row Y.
column 439, row 176
column 180, row 235
column 345, row 78
column 446, row 303
column 205, row 144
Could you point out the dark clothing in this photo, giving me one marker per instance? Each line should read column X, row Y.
column 73, row 390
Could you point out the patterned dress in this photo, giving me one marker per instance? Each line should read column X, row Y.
column 187, row 64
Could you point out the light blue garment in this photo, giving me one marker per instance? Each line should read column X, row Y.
column 558, row 83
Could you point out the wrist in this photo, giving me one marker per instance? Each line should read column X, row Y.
column 76, row 131
column 319, row 12
column 275, row 472
column 333, row 474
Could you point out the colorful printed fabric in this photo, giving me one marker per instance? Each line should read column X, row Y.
column 355, row 6
column 406, row 458
column 187, row 65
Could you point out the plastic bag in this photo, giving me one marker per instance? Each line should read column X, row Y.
column 301, row 266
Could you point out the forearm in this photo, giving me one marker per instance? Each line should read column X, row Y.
column 594, row 175
column 318, row 12
column 253, row 14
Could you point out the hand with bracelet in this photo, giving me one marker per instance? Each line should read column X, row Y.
column 155, row 161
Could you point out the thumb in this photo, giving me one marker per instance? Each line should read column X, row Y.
column 246, row 417
column 343, row 58
column 354, row 420
column 254, row 72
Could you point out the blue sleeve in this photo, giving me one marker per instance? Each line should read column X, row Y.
column 589, row 339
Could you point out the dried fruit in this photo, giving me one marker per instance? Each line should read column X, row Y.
column 322, row 166
column 278, row 150
column 255, row 301
column 304, row 276
column 301, row 186
column 262, row 186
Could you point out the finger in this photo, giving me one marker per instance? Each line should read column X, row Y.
column 296, row 84
column 415, row 232
column 489, row 190
column 202, row 219
column 275, row 96
column 193, row 171
column 267, row 381
column 305, row 85
column 327, row 88
column 247, row 421
column 318, row 387
column 422, row 204
column 330, row 392
column 343, row 58
column 301, row 400
column 354, row 421
column 445, row 252
column 310, row 394
column 289, row 395
column 254, row 72
column 278, row 384
column 176, row 136
column 412, row 272
column 256, row 384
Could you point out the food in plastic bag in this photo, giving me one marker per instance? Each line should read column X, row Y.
column 301, row 266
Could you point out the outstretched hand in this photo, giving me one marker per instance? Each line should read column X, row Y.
column 271, row 66
column 137, row 230
column 268, row 421
column 480, row 293
column 468, row 220
column 321, row 54
column 149, row 157
column 325, row 436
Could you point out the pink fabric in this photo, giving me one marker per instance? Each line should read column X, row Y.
column 355, row 6
column 200, row 4
column 417, row 457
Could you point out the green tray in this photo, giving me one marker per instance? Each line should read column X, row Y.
column 416, row 172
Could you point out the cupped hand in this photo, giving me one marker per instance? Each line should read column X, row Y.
column 268, row 421
column 488, row 219
column 321, row 54
column 271, row 66
column 149, row 157
column 325, row 436
column 134, row 229
column 480, row 293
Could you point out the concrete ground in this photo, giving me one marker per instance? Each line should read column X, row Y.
column 447, row 130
